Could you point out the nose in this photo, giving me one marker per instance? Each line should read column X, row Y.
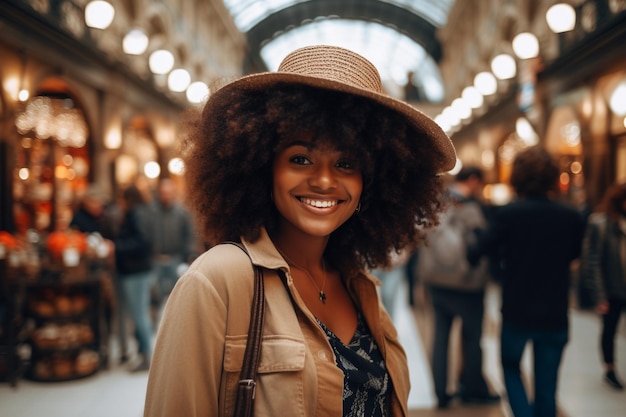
column 323, row 177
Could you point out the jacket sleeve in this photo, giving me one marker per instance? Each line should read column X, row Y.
column 591, row 257
column 185, row 372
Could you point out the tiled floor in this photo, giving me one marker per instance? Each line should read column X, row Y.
column 115, row 392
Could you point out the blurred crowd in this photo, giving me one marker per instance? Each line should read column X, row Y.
column 150, row 242
column 538, row 251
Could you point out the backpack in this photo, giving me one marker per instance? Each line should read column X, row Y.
column 442, row 261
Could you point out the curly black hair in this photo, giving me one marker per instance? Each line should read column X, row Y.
column 612, row 202
column 535, row 173
column 228, row 168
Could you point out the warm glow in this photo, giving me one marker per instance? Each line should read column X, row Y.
column 113, row 139
column 152, row 170
column 23, row 95
column 472, row 96
column 23, row 173
column 461, row 108
column 525, row 132
column 503, row 67
column 176, row 166
column 617, row 102
column 561, row 18
column 161, row 61
column 499, row 194
column 178, row 80
column 485, row 83
column 525, row 45
column 197, row 92
column 135, row 42
column 99, row 14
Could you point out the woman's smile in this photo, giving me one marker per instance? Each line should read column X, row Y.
column 317, row 203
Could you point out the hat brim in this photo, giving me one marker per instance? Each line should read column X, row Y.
column 424, row 125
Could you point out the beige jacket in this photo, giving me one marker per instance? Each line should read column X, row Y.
column 202, row 336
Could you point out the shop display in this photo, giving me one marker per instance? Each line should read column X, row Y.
column 64, row 322
column 53, row 329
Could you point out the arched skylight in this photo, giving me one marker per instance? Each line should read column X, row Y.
column 247, row 13
column 393, row 53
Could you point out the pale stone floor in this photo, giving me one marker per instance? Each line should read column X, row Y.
column 115, row 392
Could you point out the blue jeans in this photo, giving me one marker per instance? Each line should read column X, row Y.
column 548, row 348
column 136, row 290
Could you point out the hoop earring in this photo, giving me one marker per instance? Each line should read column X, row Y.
column 358, row 208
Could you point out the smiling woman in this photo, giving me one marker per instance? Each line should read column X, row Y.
column 321, row 176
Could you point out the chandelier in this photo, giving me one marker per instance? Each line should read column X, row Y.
column 54, row 118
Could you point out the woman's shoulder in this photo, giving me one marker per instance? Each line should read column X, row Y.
column 226, row 266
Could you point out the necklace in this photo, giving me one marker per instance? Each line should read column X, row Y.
column 322, row 294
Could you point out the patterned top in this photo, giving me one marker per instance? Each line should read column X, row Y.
column 367, row 386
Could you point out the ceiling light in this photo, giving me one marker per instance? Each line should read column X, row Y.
column 503, row 67
column 161, row 61
column 561, row 18
column 472, row 96
column 99, row 14
column 197, row 92
column 617, row 102
column 178, row 80
column 525, row 45
column 485, row 83
column 461, row 108
column 135, row 42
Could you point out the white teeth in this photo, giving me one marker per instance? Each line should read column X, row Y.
column 319, row 203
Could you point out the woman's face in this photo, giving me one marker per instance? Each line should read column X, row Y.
column 316, row 187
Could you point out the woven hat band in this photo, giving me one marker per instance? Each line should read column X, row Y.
column 335, row 64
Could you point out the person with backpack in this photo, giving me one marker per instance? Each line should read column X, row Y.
column 457, row 289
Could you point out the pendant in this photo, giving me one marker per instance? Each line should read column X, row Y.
column 323, row 297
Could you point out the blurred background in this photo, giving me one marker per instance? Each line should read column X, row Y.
column 95, row 93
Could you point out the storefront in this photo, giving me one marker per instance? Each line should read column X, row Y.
column 70, row 118
column 572, row 105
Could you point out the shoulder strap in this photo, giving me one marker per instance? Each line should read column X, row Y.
column 247, row 377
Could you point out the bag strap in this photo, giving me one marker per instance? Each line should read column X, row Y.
column 247, row 378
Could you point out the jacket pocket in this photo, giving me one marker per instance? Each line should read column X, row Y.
column 280, row 389
column 277, row 355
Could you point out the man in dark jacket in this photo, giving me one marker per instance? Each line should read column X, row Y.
column 538, row 238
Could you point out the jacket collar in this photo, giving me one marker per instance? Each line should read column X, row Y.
column 263, row 253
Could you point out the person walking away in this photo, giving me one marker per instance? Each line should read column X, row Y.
column 457, row 290
column 133, row 256
column 314, row 169
column 538, row 238
column 604, row 265
column 175, row 244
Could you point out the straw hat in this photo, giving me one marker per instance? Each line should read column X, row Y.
column 339, row 69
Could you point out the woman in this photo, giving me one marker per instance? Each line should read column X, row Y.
column 537, row 238
column 605, row 249
column 133, row 258
column 321, row 176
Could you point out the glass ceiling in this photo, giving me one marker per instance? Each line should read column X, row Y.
column 393, row 53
